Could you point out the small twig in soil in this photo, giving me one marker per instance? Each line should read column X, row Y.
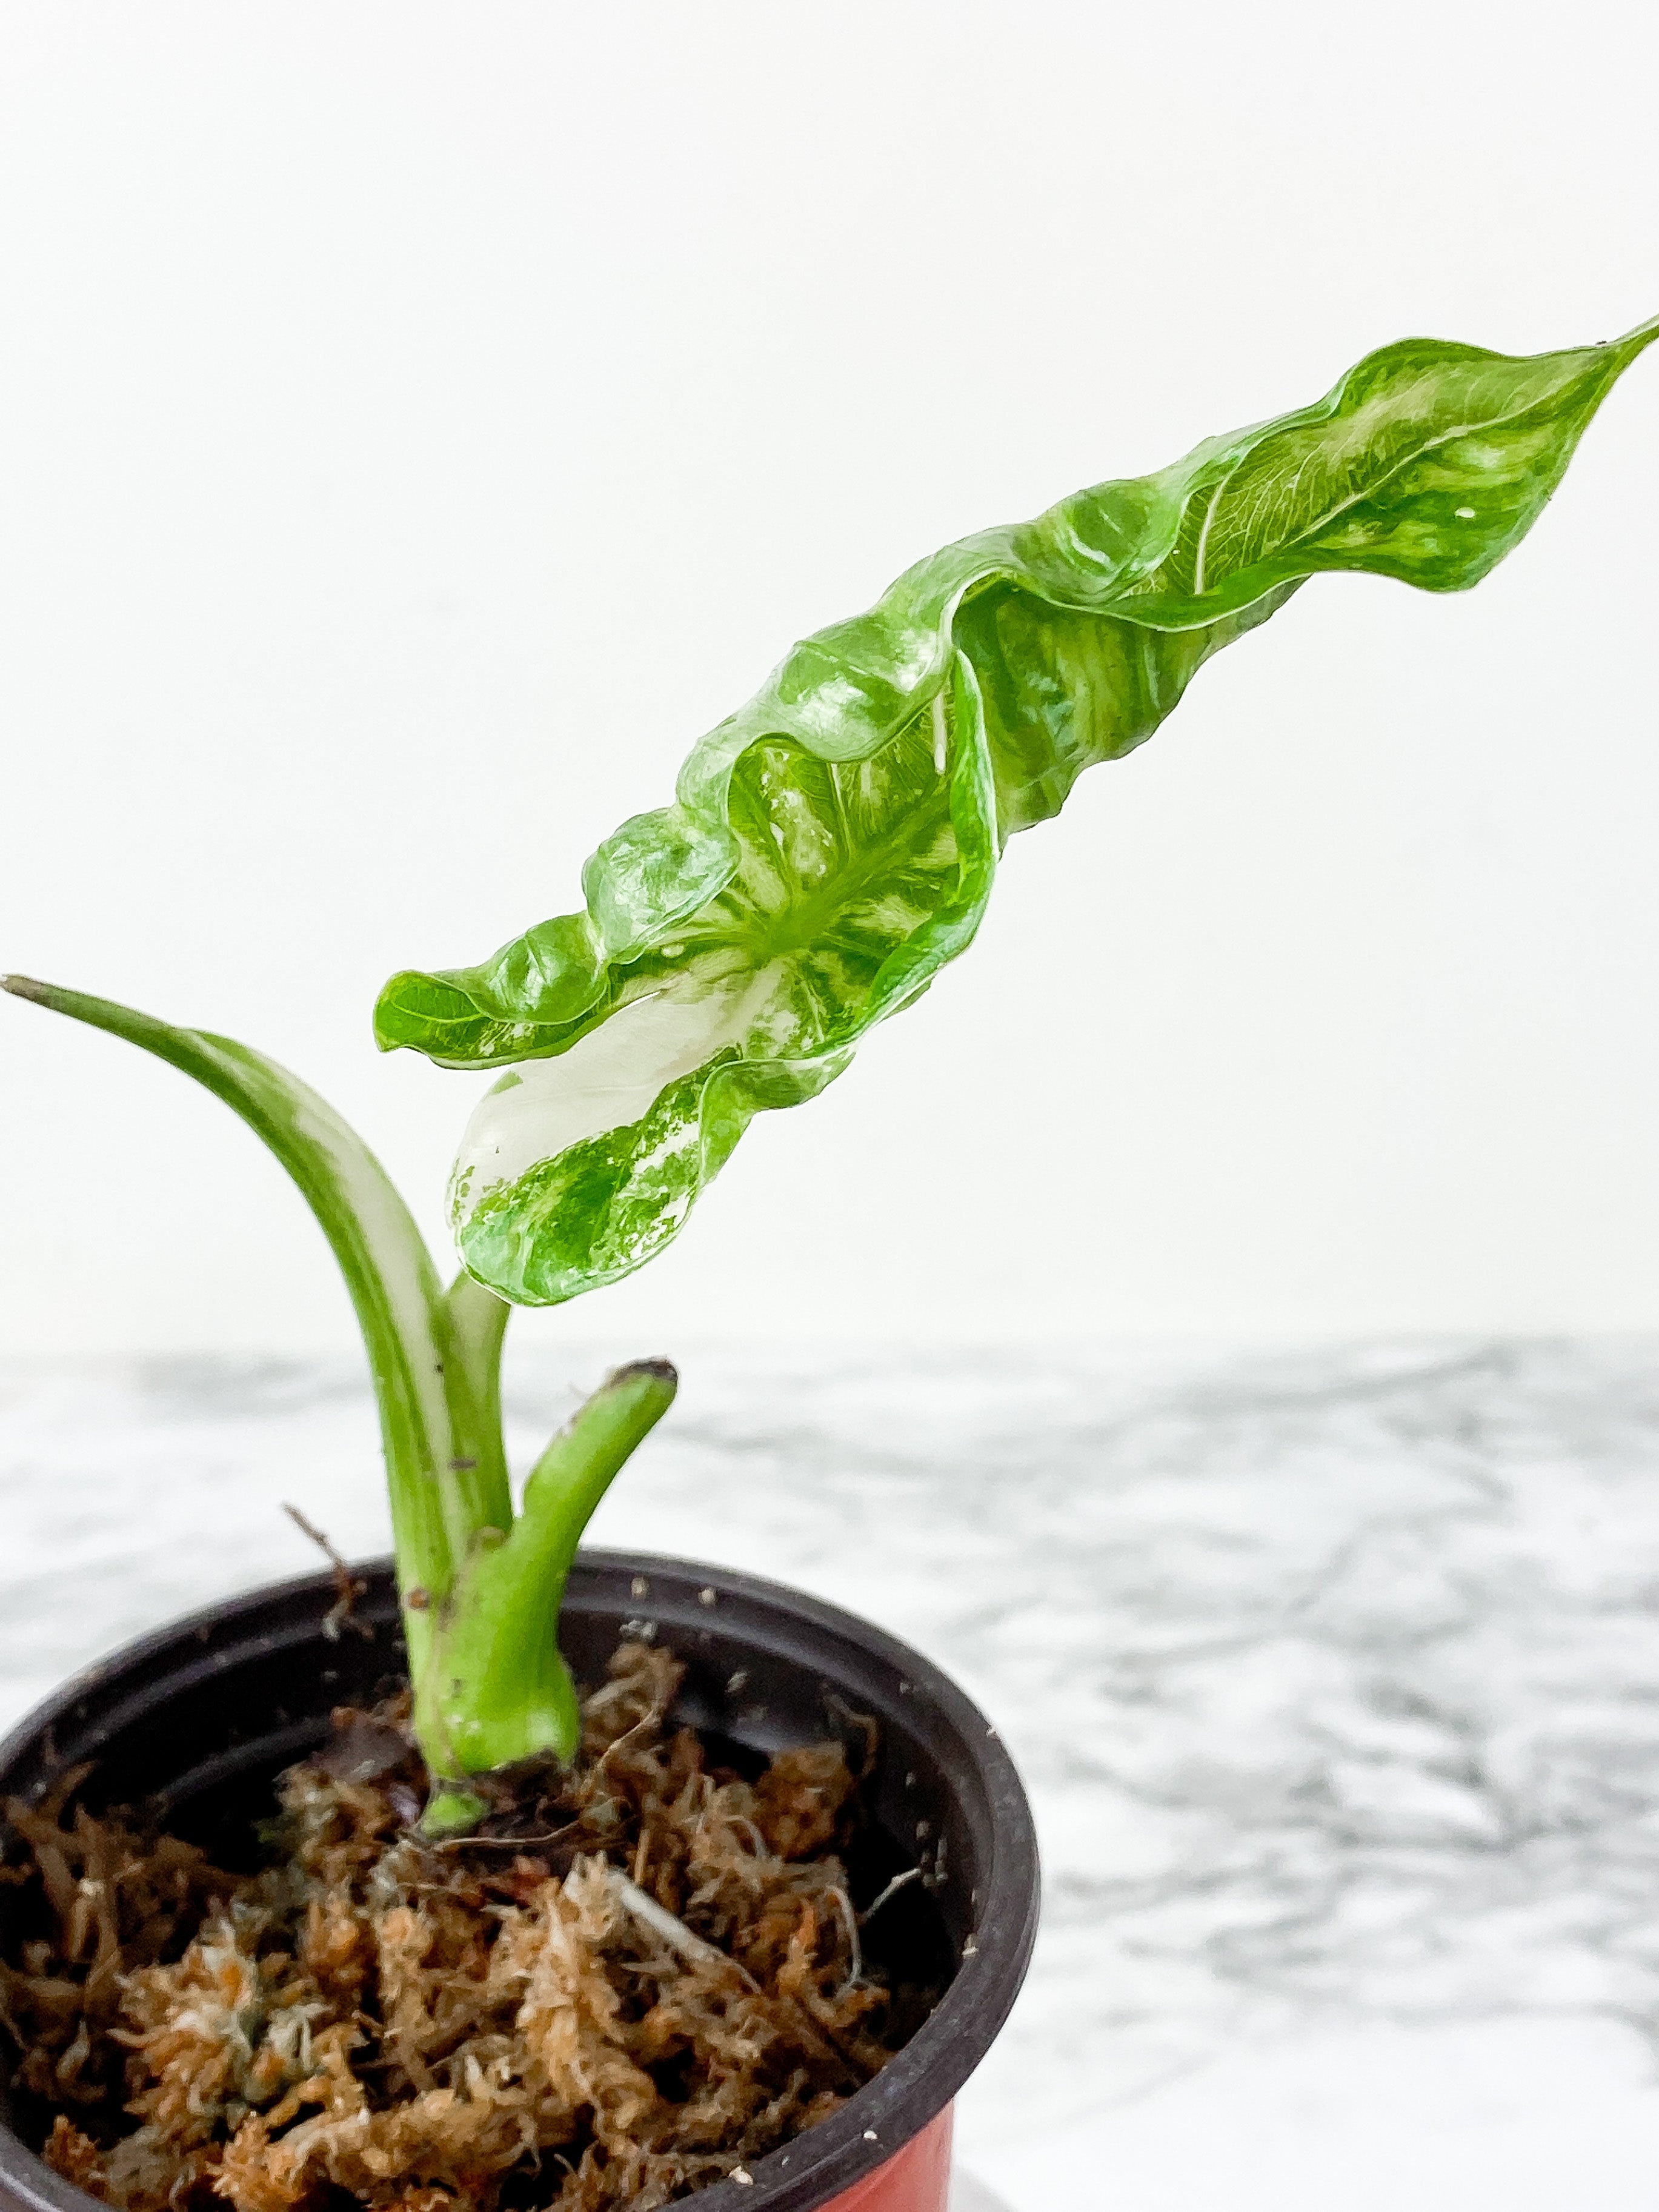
column 673, row 1931
column 850, row 1921
column 694, row 1950
column 653, row 1719
column 870, row 1729
column 910, row 1874
column 348, row 1587
column 505, row 1843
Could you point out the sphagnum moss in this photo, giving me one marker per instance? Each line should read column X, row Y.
column 639, row 1973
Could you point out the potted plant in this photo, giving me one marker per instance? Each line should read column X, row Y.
column 741, row 1911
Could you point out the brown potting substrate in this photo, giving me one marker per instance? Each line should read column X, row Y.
column 646, row 1976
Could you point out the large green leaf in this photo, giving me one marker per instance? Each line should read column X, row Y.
column 833, row 843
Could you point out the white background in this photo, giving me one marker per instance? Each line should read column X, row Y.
column 419, row 422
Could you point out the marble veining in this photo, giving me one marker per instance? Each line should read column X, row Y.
column 1334, row 1670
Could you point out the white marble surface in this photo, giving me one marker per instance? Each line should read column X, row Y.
column 1335, row 1672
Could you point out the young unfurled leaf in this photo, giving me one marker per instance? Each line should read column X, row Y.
column 432, row 1357
column 834, row 843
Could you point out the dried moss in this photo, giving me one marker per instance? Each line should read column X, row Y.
column 640, row 1976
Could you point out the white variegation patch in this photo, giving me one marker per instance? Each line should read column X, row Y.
column 610, row 1077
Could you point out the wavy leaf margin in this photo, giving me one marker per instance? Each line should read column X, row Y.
column 1039, row 649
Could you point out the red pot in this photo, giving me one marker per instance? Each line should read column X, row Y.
column 915, row 2179
column 202, row 1715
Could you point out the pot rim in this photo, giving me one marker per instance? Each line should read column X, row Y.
column 917, row 2083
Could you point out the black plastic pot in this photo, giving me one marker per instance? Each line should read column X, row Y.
column 200, row 1717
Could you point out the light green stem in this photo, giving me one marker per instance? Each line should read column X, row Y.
column 476, row 1493
column 498, row 1690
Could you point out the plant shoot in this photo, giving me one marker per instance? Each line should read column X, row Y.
column 831, row 845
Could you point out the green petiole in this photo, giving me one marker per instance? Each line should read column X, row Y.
column 498, row 1690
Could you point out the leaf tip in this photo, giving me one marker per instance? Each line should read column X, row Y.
column 24, row 987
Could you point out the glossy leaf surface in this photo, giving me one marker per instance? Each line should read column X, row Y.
column 834, row 843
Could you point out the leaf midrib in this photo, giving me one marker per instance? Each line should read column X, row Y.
column 1329, row 515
